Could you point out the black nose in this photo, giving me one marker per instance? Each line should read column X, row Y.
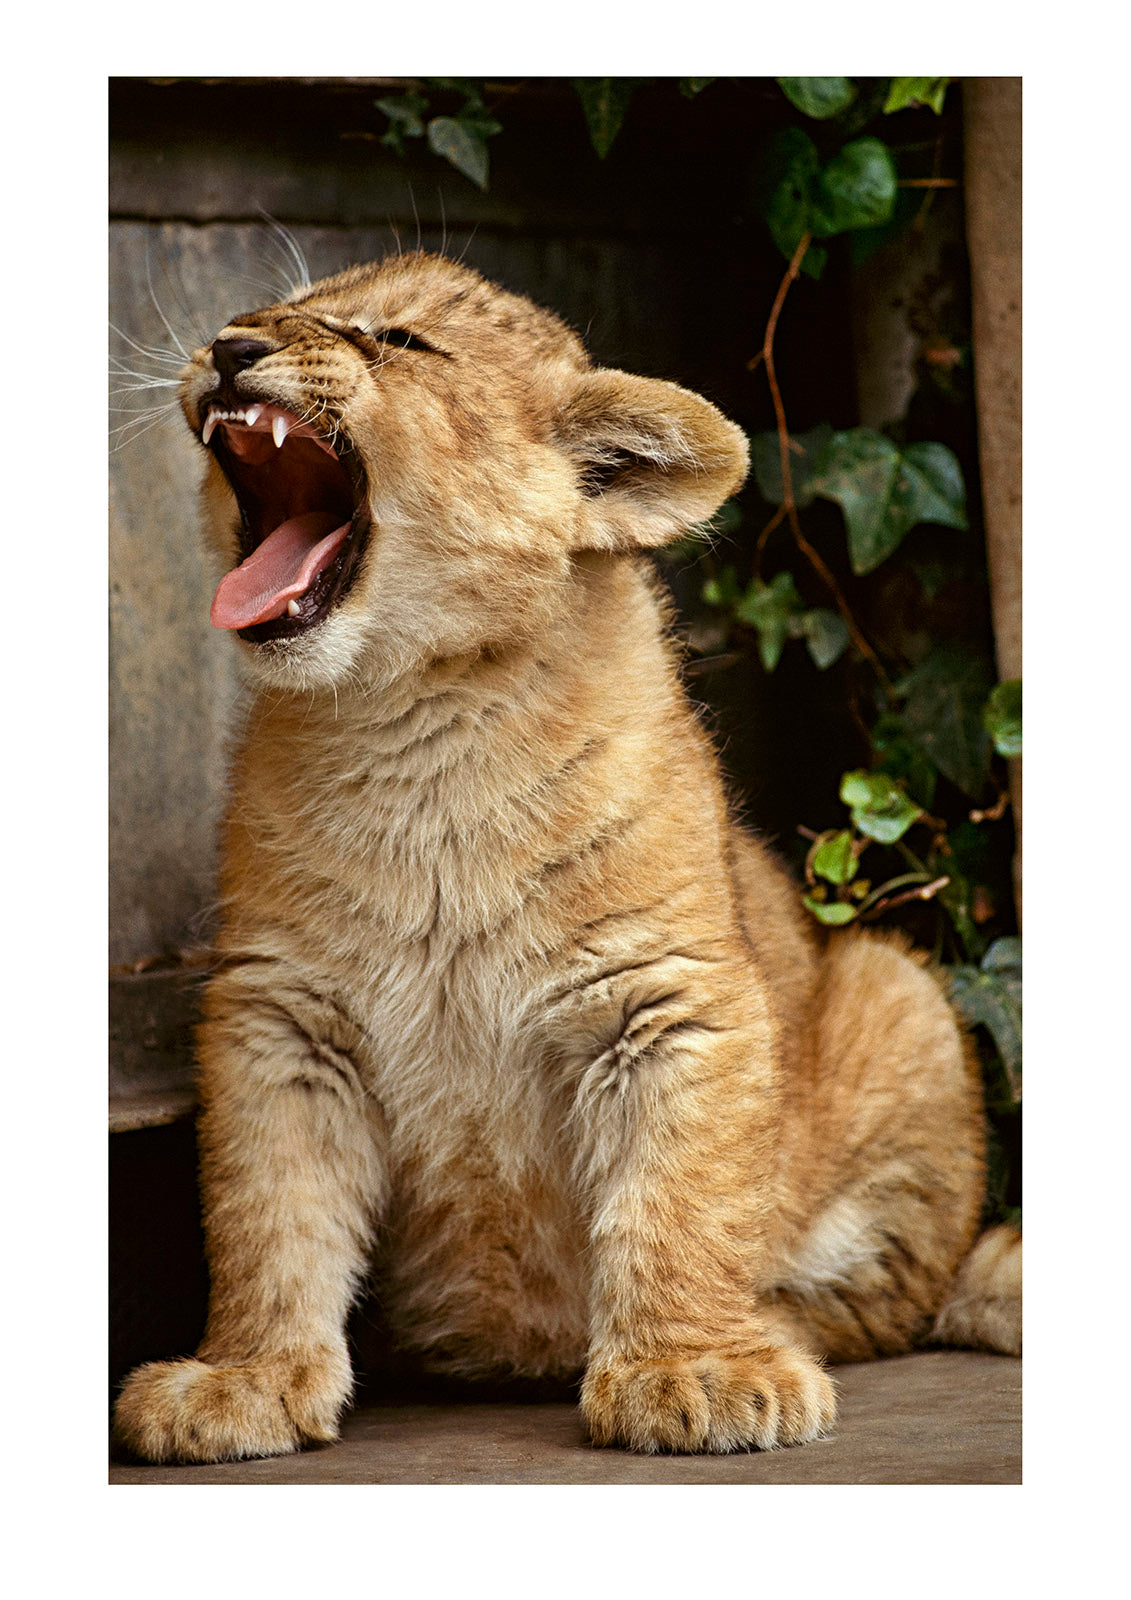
column 230, row 356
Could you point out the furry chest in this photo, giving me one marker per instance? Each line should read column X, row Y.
column 481, row 1261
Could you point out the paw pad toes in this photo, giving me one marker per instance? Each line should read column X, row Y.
column 715, row 1403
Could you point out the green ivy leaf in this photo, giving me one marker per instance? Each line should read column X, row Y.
column 935, row 490
column 884, row 492
column 1002, row 717
column 864, row 243
column 880, row 808
column 463, row 142
column 723, row 590
column 765, row 458
column 902, row 759
column 834, row 913
column 916, row 91
column 858, row 471
column 790, row 169
column 942, row 712
column 835, row 859
column 826, row 636
column 818, row 97
column 404, row 114
column 1004, row 955
column 856, row 190
column 990, row 996
column 768, row 607
column 604, row 101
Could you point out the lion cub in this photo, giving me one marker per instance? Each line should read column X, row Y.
column 504, row 997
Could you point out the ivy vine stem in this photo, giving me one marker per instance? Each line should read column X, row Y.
column 880, row 901
column 788, row 507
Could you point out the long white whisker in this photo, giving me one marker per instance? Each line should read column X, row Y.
column 416, row 214
column 177, row 289
column 168, row 325
column 120, row 394
column 151, row 352
column 143, row 411
column 264, row 285
column 283, row 235
column 147, row 410
column 297, row 254
column 280, row 272
column 123, row 443
column 467, row 246
column 134, row 430
column 146, row 380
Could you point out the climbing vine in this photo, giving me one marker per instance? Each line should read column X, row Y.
column 920, row 830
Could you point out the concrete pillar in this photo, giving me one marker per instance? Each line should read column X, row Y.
column 992, row 108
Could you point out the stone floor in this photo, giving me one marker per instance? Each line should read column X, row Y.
column 935, row 1417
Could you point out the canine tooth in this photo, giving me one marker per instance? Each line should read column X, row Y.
column 251, row 417
column 293, row 608
column 210, row 423
column 279, row 431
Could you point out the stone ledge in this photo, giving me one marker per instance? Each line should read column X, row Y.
column 153, row 1014
column 939, row 1416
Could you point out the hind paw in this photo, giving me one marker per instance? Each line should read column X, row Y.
column 983, row 1309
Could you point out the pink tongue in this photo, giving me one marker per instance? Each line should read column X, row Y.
column 280, row 569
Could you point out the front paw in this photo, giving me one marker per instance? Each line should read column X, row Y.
column 766, row 1397
column 190, row 1411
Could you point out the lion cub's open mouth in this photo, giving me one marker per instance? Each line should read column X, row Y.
column 303, row 525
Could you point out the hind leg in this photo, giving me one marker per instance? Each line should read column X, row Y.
column 982, row 1310
column 890, row 1149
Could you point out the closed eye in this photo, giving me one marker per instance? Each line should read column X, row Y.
column 390, row 339
column 403, row 338
column 371, row 341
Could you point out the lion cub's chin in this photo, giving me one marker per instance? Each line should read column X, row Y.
column 326, row 658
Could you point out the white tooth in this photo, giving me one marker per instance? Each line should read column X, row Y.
column 279, row 430
column 252, row 416
column 208, row 427
column 292, row 608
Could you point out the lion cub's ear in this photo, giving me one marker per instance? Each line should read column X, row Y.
column 654, row 458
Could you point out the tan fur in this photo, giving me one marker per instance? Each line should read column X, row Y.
column 983, row 1307
column 505, row 995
